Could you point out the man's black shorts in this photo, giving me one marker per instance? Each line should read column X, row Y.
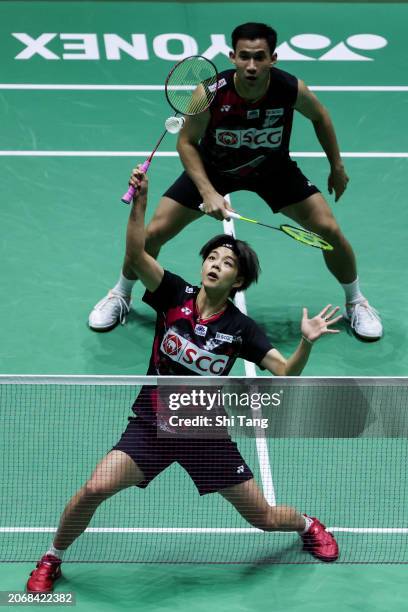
column 212, row 464
column 278, row 186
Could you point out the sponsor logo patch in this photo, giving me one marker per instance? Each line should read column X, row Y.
column 272, row 116
column 200, row 330
column 189, row 289
column 218, row 85
column 224, row 337
column 191, row 356
column 171, row 344
column 269, row 138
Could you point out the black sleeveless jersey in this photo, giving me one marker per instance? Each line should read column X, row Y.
column 243, row 135
column 186, row 346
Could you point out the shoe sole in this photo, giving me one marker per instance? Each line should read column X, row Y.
column 324, row 559
column 101, row 330
column 106, row 329
column 364, row 338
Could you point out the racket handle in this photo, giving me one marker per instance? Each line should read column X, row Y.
column 130, row 194
column 232, row 215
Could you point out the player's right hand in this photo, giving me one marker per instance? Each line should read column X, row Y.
column 139, row 181
column 216, row 206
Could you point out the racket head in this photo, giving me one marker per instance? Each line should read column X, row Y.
column 306, row 237
column 191, row 85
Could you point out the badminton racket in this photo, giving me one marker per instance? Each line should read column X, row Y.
column 190, row 87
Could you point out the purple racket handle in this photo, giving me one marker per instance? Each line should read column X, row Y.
column 129, row 195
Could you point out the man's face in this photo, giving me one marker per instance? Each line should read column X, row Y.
column 253, row 60
column 220, row 270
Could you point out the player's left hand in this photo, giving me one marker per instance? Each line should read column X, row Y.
column 337, row 181
column 319, row 325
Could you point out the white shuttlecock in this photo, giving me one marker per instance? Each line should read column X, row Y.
column 174, row 124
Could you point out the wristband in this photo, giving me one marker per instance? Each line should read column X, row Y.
column 307, row 340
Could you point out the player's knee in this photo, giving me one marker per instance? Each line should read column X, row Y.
column 96, row 489
column 329, row 230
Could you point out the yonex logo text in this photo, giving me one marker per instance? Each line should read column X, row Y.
column 79, row 46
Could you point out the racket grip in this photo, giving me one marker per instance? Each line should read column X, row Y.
column 130, row 194
column 234, row 215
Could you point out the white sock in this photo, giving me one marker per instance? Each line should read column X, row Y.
column 124, row 286
column 308, row 522
column 352, row 292
column 55, row 552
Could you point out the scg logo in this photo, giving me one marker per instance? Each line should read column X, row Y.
column 76, row 46
column 191, row 356
column 269, row 138
column 171, row 344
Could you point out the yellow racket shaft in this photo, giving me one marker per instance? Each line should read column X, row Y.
column 297, row 233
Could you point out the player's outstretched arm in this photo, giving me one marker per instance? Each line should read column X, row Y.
column 147, row 269
column 215, row 204
column 309, row 106
column 311, row 329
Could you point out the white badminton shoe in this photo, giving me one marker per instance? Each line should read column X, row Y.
column 364, row 320
column 109, row 312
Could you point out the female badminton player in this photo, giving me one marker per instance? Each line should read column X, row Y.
column 199, row 331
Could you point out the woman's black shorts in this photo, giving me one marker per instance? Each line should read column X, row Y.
column 212, row 464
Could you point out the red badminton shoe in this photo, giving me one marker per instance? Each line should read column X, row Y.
column 319, row 542
column 42, row 579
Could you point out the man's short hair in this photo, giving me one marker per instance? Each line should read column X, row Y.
column 252, row 31
column 248, row 263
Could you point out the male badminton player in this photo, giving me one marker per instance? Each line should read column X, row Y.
column 242, row 142
column 199, row 331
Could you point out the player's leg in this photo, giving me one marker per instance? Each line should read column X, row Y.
column 314, row 214
column 115, row 472
column 249, row 501
column 176, row 209
column 218, row 466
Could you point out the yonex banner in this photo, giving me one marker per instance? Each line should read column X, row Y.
column 77, row 42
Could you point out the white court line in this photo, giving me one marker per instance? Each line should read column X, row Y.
column 388, row 530
column 250, row 372
column 100, row 87
column 304, row 154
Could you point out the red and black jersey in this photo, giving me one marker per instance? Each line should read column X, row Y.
column 186, row 346
column 243, row 135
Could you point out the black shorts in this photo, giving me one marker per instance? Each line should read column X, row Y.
column 212, row 464
column 278, row 186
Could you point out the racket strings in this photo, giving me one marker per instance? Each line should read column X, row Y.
column 306, row 237
column 192, row 85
